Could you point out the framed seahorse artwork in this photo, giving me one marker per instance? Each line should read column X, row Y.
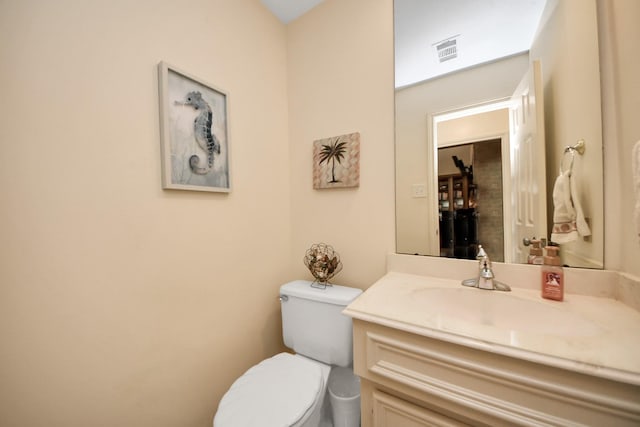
column 336, row 162
column 194, row 132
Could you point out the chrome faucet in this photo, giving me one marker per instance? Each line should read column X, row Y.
column 486, row 277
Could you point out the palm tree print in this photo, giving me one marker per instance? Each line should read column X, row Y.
column 333, row 152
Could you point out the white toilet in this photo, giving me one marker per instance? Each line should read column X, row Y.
column 287, row 389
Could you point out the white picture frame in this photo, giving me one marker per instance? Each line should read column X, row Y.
column 194, row 132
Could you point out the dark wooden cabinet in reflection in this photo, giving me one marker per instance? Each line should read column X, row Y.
column 458, row 218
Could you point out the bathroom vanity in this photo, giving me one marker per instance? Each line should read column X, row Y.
column 432, row 352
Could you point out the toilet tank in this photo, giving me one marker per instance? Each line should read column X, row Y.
column 313, row 324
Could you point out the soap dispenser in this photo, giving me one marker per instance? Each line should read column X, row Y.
column 535, row 253
column 552, row 275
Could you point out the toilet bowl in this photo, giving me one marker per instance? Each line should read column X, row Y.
column 290, row 390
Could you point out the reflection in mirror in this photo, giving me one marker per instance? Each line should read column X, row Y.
column 460, row 201
column 426, row 121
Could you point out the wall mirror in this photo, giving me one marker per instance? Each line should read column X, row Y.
column 469, row 171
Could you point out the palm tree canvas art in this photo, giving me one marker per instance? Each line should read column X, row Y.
column 336, row 162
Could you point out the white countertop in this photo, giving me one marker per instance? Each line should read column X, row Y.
column 593, row 335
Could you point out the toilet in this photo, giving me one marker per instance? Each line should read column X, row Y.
column 291, row 389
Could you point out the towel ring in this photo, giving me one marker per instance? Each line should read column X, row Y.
column 578, row 147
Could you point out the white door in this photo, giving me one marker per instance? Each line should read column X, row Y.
column 528, row 175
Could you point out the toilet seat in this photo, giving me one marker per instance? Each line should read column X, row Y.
column 279, row 391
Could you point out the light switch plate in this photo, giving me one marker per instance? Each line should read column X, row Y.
column 418, row 190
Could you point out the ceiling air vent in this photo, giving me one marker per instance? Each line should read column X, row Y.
column 447, row 49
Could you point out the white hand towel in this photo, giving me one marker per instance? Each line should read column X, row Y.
column 581, row 223
column 564, row 214
column 635, row 167
column 568, row 218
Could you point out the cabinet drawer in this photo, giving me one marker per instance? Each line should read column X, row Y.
column 389, row 411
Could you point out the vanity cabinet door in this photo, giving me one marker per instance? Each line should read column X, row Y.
column 389, row 411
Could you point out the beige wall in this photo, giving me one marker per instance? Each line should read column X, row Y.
column 473, row 128
column 620, row 65
column 567, row 46
column 340, row 65
column 122, row 304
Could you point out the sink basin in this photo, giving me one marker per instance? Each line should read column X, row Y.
column 505, row 311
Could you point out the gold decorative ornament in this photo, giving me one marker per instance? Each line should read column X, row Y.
column 323, row 263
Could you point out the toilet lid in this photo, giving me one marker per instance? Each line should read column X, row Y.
column 276, row 392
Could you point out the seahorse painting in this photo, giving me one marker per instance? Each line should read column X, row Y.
column 202, row 132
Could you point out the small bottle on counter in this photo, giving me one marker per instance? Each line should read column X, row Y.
column 535, row 253
column 552, row 275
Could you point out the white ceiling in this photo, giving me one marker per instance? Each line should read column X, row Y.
column 486, row 30
column 289, row 10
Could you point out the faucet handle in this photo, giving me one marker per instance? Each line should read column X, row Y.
column 483, row 258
